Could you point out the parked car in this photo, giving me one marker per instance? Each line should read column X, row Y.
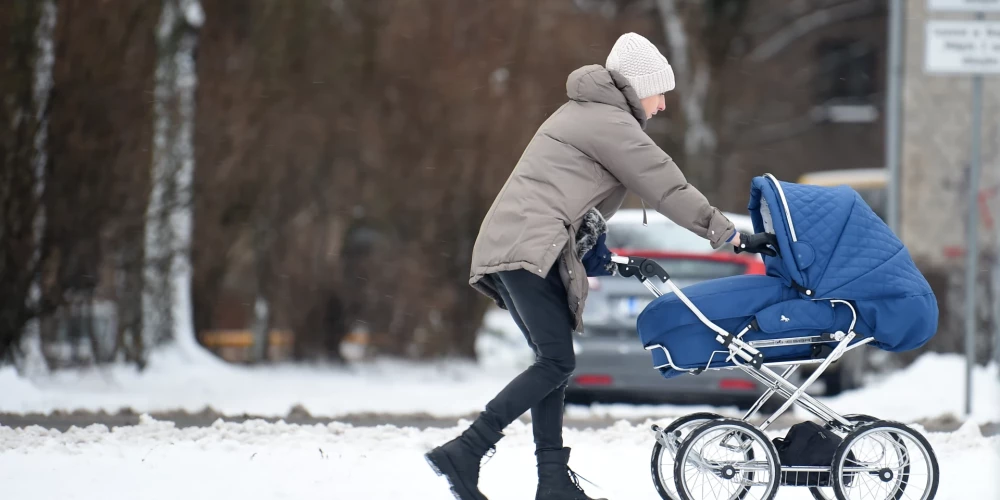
column 626, row 232
column 611, row 364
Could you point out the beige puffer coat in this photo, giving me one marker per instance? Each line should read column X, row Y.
column 587, row 154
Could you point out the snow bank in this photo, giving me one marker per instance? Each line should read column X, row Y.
column 15, row 390
column 256, row 460
column 172, row 382
column 931, row 387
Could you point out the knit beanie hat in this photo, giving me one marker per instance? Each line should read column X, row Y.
column 638, row 60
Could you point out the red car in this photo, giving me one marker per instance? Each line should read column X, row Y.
column 611, row 364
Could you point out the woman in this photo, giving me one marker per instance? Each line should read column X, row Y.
column 587, row 155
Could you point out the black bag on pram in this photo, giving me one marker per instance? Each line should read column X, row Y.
column 807, row 444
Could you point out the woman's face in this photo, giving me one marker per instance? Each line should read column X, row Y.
column 653, row 104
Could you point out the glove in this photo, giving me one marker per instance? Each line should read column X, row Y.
column 761, row 243
column 597, row 260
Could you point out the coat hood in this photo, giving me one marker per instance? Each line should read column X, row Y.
column 594, row 83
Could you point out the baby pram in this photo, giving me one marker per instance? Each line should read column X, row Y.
column 841, row 280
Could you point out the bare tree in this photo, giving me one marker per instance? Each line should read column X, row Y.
column 734, row 109
column 20, row 123
column 166, row 289
column 346, row 151
column 44, row 39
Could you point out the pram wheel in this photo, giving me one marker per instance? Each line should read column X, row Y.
column 827, row 493
column 727, row 459
column 668, row 440
column 885, row 460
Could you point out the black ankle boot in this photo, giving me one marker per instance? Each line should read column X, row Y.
column 458, row 460
column 556, row 481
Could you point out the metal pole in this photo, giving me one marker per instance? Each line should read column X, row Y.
column 996, row 304
column 972, row 245
column 996, row 288
column 892, row 110
column 995, row 212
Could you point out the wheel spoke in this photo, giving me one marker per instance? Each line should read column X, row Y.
column 885, row 461
column 665, row 451
column 727, row 459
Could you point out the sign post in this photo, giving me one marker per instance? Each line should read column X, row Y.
column 972, row 254
column 893, row 107
column 967, row 47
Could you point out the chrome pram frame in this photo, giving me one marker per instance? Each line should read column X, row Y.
column 747, row 356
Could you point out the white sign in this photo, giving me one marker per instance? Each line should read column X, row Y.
column 965, row 5
column 962, row 47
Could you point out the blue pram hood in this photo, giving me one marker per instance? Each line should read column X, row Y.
column 833, row 246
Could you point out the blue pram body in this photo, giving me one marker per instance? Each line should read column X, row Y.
column 840, row 269
column 841, row 280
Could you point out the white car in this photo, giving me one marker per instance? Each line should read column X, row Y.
column 611, row 365
column 625, row 230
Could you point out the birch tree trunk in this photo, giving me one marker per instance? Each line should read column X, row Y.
column 41, row 88
column 167, row 313
column 693, row 79
column 31, row 345
column 19, row 190
column 693, row 72
column 261, row 322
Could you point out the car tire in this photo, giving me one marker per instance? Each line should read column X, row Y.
column 578, row 398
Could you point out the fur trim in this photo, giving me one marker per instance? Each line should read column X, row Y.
column 593, row 227
column 612, row 268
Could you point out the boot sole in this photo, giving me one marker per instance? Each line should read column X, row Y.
column 442, row 466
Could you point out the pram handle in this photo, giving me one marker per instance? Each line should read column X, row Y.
column 647, row 268
column 639, row 266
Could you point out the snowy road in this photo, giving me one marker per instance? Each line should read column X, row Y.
column 577, row 417
column 932, row 387
column 325, row 459
column 257, row 460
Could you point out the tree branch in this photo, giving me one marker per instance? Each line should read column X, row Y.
column 691, row 85
column 773, row 132
column 809, row 23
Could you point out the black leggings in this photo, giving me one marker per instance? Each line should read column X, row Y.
column 540, row 309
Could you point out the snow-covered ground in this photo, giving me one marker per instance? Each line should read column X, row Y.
column 440, row 389
column 257, row 460
column 933, row 386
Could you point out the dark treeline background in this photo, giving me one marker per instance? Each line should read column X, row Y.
column 344, row 151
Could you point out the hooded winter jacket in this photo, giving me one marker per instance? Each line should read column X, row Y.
column 588, row 153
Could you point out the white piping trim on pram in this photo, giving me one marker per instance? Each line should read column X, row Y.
column 784, row 202
column 737, row 364
column 670, row 360
column 810, row 339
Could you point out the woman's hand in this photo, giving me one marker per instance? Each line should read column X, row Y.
column 762, row 243
column 597, row 261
